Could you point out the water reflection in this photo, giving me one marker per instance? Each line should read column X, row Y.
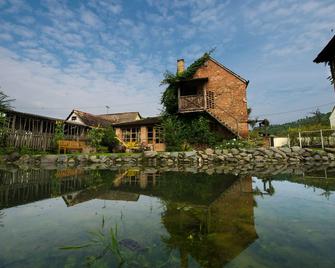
column 208, row 219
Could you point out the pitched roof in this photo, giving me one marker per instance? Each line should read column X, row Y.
column 327, row 53
column 121, row 117
column 141, row 122
column 229, row 71
column 90, row 119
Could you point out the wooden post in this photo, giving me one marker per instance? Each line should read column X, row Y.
column 288, row 141
column 13, row 122
column 321, row 136
column 179, row 98
column 300, row 140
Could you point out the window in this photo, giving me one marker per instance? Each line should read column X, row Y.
column 210, row 100
column 159, row 135
column 74, row 118
column 131, row 134
column 150, row 135
column 188, row 90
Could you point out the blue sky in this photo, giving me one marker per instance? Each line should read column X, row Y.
column 59, row 55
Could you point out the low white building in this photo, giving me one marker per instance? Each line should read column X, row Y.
column 279, row 141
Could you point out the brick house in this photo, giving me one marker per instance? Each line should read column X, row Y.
column 219, row 93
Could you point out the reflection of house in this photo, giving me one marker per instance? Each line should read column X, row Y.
column 100, row 193
column 212, row 221
column 19, row 186
column 216, row 234
column 217, row 92
column 327, row 55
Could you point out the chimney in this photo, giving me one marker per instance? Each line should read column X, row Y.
column 180, row 66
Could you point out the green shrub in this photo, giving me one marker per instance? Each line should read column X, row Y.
column 109, row 139
column 95, row 136
column 181, row 134
column 234, row 143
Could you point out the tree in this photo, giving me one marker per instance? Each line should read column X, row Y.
column 5, row 104
column 318, row 116
column 95, row 136
column 59, row 132
column 109, row 139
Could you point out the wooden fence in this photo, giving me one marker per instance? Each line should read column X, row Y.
column 34, row 141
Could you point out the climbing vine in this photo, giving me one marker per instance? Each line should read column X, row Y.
column 169, row 97
column 180, row 132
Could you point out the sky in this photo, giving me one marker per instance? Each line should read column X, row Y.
column 59, row 55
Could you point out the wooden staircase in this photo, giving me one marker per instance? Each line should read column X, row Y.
column 232, row 126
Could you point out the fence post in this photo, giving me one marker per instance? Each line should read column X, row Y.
column 322, row 144
column 300, row 140
column 288, row 141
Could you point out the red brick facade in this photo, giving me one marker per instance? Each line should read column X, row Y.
column 230, row 99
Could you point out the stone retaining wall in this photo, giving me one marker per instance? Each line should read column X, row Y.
column 257, row 156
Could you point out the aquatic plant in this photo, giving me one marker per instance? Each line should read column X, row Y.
column 107, row 241
column 126, row 252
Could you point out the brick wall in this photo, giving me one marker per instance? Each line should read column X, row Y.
column 230, row 103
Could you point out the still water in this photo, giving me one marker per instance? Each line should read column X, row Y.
column 144, row 217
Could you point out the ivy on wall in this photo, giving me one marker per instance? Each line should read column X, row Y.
column 169, row 98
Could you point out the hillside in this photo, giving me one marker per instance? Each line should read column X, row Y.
column 317, row 121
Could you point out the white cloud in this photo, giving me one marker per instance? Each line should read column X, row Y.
column 34, row 84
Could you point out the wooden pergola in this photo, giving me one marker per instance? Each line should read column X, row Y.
column 37, row 132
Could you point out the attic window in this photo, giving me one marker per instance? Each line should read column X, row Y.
column 74, row 118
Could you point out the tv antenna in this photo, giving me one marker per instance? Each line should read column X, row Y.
column 107, row 109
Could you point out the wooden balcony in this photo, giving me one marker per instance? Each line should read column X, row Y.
column 191, row 103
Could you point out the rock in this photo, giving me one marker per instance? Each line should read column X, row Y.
column 25, row 159
column 71, row 161
column 234, row 151
column 49, row 158
column 268, row 153
column 149, row 154
column 190, row 154
column 94, row 159
column 259, row 158
column 325, row 158
column 62, row 158
column 174, row 154
column 295, row 149
column 317, row 157
column 286, row 150
column 13, row 157
column 218, row 151
column 209, row 151
column 82, row 158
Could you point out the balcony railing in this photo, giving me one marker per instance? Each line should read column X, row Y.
column 191, row 103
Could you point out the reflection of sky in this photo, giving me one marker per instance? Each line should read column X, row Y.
column 39, row 229
column 295, row 226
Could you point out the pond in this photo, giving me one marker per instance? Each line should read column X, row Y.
column 151, row 217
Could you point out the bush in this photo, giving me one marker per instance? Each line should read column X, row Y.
column 109, row 139
column 181, row 134
column 95, row 136
column 103, row 139
column 234, row 143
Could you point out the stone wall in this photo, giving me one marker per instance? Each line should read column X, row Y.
column 241, row 157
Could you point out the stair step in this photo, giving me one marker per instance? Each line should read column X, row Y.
column 223, row 123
